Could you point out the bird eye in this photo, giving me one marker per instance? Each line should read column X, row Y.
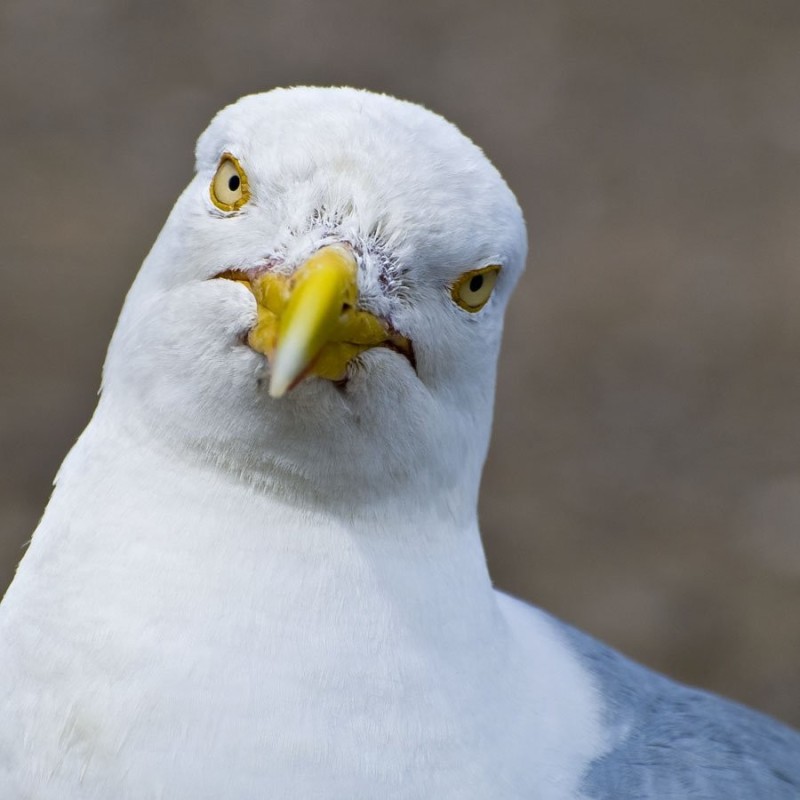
column 473, row 289
column 229, row 190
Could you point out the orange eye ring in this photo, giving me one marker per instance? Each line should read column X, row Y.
column 229, row 189
column 474, row 288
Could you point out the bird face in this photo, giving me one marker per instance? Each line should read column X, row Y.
column 325, row 300
column 310, row 322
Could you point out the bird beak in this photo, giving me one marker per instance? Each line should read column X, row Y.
column 309, row 322
column 324, row 288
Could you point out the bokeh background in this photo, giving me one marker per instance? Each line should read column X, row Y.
column 644, row 478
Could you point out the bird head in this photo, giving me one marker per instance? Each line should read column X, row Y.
column 323, row 307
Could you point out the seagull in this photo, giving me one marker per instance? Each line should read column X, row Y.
column 260, row 574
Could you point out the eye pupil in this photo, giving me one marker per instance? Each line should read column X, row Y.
column 474, row 288
column 475, row 283
column 228, row 189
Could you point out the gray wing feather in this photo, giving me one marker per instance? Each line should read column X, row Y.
column 672, row 741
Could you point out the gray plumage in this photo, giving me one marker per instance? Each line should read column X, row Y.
column 674, row 741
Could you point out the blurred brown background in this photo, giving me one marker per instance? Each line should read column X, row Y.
column 644, row 481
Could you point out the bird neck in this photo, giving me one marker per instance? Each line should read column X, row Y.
column 161, row 595
column 151, row 515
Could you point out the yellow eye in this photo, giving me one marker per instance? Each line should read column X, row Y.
column 473, row 289
column 229, row 189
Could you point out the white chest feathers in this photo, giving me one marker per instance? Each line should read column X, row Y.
column 324, row 665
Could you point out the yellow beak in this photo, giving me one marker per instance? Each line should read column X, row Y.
column 324, row 288
column 309, row 323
